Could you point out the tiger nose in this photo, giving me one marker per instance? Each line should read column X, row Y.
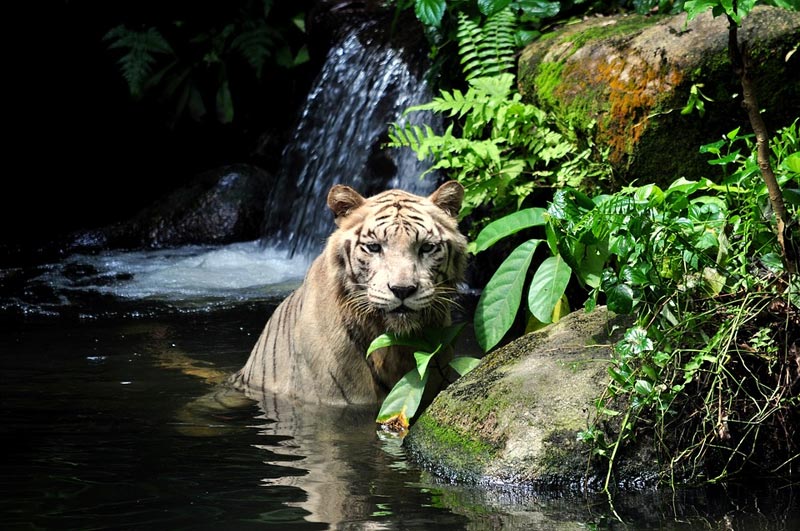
column 403, row 292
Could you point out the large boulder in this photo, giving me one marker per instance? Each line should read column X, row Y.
column 220, row 206
column 515, row 418
column 623, row 81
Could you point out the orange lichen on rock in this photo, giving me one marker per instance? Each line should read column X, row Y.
column 626, row 92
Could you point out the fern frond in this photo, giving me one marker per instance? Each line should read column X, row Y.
column 255, row 43
column 487, row 50
column 136, row 64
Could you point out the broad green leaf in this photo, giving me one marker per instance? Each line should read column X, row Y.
column 561, row 309
column 430, row 12
column 464, row 364
column 404, row 398
column 643, row 387
column 501, row 297
column 591, row 267
column 490, row 7
column 388, row 340
column 792, row 162
column 547, row 287
column 508, row 225
column 540, row 8
column 619, row 298
column 423, row 358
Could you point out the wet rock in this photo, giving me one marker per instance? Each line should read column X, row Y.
column 623, row 81
column 220, row 206
column 514, row 419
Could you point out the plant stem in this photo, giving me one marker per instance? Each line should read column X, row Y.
column 785, row 223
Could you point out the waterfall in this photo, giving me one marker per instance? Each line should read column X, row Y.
column 364, row 85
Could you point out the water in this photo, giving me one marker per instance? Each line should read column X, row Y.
column 114, row 418
column 364, row 84
column 185, row 279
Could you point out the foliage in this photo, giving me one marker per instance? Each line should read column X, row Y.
column 706, row 365
column 488, row 50
column 444, row 18
column 504, row 150
column 405, row 397
column 194, row 64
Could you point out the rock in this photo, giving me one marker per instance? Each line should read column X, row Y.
column 515, row 418
column 219, row 206
column 623, row 81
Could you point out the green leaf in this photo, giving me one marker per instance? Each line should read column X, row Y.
column 423, row 358
column 695, row 7
column 464, row 364
column 501, row 297
column 619, row 298
column 547, row 287
column 224, row 104
column 643, row 387
column 792, row 163
column 540, row 8
column 404, row 398
column 430, row 12
column 508, row 225
column 490, row 7
column 388, row 340
column 616, row 375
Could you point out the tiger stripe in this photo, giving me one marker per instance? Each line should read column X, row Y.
column 393, row 264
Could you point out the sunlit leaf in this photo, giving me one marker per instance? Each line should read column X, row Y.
column 547, row 287
column 508, row 225
column 423, row 358
column 501, row 297
column 388, row 340
column 792, row 162
column 404, row 398
column 464, row 364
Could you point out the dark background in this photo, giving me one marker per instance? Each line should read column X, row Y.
column 79, row 152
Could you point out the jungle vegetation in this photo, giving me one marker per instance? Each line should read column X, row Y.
column 707, row 267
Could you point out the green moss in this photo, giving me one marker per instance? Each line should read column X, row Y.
column 624, row 26
column 545, row 81
column 447, row 450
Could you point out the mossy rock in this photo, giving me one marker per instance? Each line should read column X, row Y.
column 515, row 418
column 623, row 81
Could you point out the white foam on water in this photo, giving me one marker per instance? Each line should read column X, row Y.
column 239, row 271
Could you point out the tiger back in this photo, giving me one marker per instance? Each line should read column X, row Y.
column 392, row 265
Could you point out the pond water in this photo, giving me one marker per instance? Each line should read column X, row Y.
column 113, row 418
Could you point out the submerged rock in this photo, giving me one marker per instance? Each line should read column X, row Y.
column 623, row 81
column 220, row 206
column 515, row 418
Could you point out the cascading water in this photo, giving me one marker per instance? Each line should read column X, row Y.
column 365, row 83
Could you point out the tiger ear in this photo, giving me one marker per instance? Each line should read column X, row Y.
column 448, row 197
column 342, row 200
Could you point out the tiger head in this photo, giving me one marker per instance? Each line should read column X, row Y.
column 400, row 255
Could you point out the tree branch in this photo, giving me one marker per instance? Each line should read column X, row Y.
column 785, row 224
